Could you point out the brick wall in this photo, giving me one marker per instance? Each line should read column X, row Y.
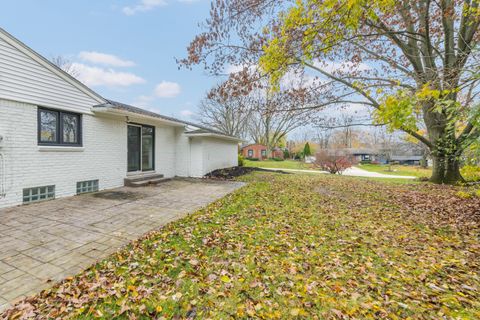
column 255, row 151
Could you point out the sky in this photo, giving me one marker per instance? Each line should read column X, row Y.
column 124, row 50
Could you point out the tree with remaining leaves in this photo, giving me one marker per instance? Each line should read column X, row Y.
column 414, row 62
column 307, row 152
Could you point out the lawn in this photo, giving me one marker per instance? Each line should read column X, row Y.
column 286, row 164
column 399, row 170
column 292, row 247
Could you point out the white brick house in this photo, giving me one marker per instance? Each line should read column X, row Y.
column 59, row 138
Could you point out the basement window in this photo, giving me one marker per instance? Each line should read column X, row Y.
column 59, row 128
column 87, row 186
column 37, row 194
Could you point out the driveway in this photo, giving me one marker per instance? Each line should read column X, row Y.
column 46, row 242
column 353, row 172
column 357, row 172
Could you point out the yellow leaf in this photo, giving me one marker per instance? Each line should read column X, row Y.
column 295, row 312
column 225, row 279
column 159, row 309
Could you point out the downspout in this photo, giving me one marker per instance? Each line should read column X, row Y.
column 3, row 176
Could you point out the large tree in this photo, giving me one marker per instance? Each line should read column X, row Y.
column 414, row 62
column 226, row 113
column 275, row 115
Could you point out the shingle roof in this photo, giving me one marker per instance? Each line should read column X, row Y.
column 129, row 108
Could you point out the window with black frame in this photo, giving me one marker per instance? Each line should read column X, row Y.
column 59, row 128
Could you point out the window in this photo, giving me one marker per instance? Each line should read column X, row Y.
column 87, row 186
column 250, row 153
column 59, row 128
column 264, row 153
column 37, row 194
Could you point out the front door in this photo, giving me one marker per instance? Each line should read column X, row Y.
column 141, row 148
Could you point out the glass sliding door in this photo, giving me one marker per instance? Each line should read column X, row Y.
column 147, row 148
column 141, row 148
column 134, row 147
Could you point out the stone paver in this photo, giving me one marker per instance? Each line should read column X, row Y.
column 46, row 242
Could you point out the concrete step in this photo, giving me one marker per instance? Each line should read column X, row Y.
column 146, row 182
column 149, row 182
column 143, row 179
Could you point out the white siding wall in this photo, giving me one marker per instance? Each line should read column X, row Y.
column 182, row 154
column 218, row 154
column 23, row 79
column 196, row 158
column 104, row 156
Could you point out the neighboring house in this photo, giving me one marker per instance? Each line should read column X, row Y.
column 278, row 153
column 411, row 160
column 383, row 157
column 59, row 138
column 363, row 154
column 260, row 151
column 310, row 159
column 256, row 151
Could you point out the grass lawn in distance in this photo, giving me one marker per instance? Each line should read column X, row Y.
column 286, row 164
column 400, row 170
column 291, row 247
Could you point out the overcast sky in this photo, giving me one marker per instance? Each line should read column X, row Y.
column 125, row 50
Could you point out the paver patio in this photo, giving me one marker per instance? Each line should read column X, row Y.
column 46, row 242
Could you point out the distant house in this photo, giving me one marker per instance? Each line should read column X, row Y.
column 260, row 152
column 411, row 160
column 383, row 157
column 364, row 154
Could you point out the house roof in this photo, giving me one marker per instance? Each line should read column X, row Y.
column 357, row 151
column 123, row 108
column 253, row 144
column 22, row 47
column 212, row 134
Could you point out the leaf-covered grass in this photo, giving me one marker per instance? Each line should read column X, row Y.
column 400, row 170
column 286, row 164
column 293, row 246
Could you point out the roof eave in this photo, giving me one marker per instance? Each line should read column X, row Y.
column 214, row 135
column 118, row 112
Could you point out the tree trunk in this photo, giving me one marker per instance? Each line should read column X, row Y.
column 452, row 174
column 438, row 169
column 446, row 170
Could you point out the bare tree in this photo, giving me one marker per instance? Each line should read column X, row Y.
column 274, row 115
column 226, row 113
column 66, row 65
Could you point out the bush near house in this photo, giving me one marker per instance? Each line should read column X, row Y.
column 253, row 159
column 334, row 161
column 241, row 161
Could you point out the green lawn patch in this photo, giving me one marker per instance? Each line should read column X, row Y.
column 286, row 164
column 399, row 170
column 292, row 247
